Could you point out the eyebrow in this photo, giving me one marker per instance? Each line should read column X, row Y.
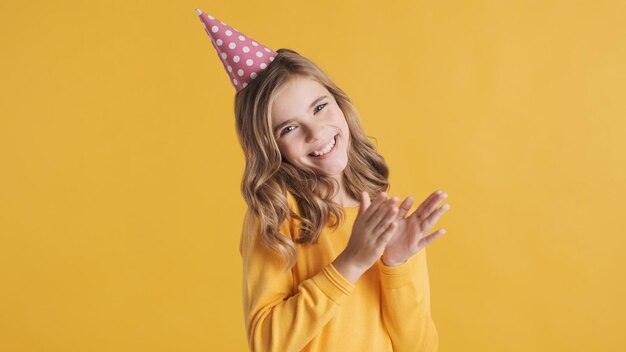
column 276, row 128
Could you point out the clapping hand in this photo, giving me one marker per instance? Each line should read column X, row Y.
column 410, row 234
column 373, row 227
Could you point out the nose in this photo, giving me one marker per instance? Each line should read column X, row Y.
column 314, row 131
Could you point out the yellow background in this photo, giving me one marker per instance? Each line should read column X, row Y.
column 120, row 210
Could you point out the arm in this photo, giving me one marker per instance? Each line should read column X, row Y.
column 279, row 315
column 405, row 292
column 405, row 289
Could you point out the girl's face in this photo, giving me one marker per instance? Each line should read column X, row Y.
column 310, row 128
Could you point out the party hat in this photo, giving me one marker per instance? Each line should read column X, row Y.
column 243, row 58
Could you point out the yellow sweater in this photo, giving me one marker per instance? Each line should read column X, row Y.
column 312, row 307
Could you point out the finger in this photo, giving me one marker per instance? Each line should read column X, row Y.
column 433, row 199
column 365, row 202
column 428, row 223
column 381, row 212
column 429, row 239
column 429, row 204
column 405, row 207
column 387, row 234
column 388, row 218
column 382, row 196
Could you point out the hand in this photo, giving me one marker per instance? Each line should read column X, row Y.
column 409, row 237
column 372, row 229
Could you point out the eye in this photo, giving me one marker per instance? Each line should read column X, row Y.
column 316, row 108
column 287, row 130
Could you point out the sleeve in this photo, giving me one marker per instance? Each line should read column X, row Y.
column 279, row 315
column 405, row 293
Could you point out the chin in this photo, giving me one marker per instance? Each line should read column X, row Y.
column 334, row 171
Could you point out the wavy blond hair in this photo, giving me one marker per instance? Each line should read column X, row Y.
column 267, row 177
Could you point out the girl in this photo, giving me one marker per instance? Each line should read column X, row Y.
column 325, row 268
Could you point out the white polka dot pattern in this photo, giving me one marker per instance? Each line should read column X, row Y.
column 242, row 57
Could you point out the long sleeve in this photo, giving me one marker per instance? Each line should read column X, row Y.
column 405, row 292
column 280, row 315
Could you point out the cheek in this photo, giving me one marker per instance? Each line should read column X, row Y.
column 287, row 150
column 343, row 123
column 339, row 118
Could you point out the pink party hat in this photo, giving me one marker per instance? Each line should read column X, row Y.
column 243, row 58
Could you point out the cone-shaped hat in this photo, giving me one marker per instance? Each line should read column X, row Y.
column 243, row 58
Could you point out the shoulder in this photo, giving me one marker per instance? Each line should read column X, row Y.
column 249, row 231
column 292, row 202
column 291, row 222
column 253, row 226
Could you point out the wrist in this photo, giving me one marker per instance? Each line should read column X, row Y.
column 391, row 262
column 347, row 268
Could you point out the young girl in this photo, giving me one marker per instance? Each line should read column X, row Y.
column 325, row 268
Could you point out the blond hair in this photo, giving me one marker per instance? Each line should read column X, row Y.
column 267, row 177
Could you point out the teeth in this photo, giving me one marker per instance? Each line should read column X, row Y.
column 326, row 149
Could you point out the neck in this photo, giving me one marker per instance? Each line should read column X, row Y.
column 342, row 198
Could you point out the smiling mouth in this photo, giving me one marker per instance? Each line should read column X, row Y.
column 326, row 150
